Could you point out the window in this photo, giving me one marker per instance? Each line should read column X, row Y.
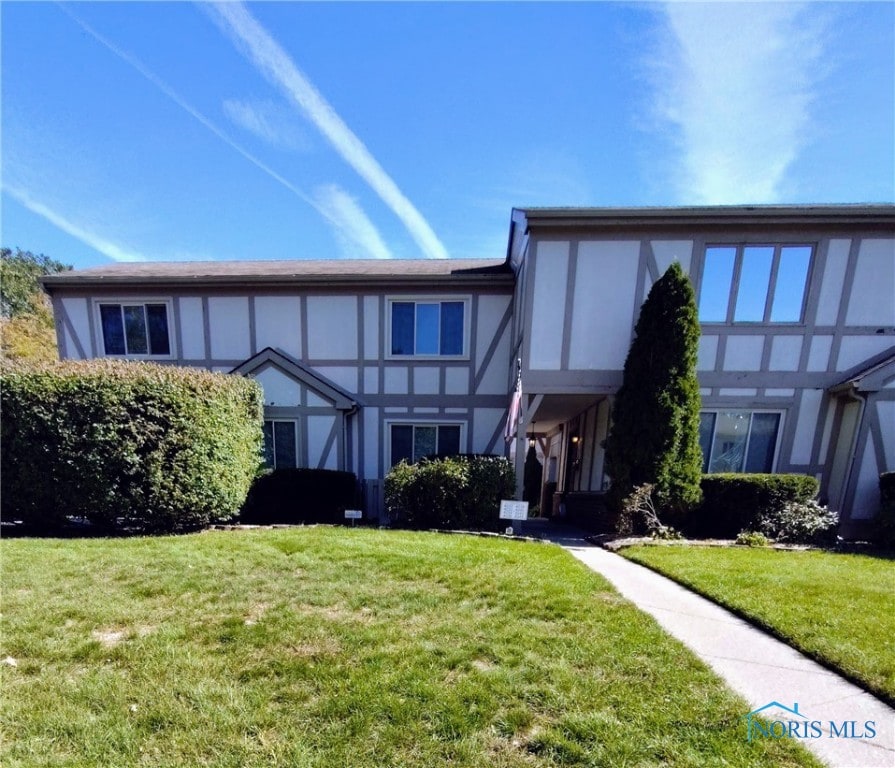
column 135, row 329
column 738, row 440
column 428, row 328
column 280, row 444
column 770, row 283
column 412, row 442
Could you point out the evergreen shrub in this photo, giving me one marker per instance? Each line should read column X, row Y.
column 297, row 496
column 454, row 492
column 736, row 502
column 126, row 445
column 885, row 519
column 654, row 437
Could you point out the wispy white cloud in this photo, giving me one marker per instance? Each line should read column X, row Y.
column 106, row 247
column 359, row 231
column 276, row 65
column 737, row 82
column 268, row 122
column 350, row 223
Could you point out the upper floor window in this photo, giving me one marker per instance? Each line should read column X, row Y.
column 280, row 443
column 135, row 328
column 754, row 283
column 738, row 440
column 412, row 442
column 428, row 328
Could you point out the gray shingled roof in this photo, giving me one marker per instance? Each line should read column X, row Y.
column 295, row 271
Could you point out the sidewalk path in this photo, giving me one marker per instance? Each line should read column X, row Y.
column 755, row 665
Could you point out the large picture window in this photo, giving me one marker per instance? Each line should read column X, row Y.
column 738, row 440
column 754, row 283
column 135, row 328
column 280, row 443
column 412, row 442
column 428, row 328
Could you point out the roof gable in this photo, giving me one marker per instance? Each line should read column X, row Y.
column 329, row 390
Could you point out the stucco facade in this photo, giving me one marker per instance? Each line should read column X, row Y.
column 363, row 362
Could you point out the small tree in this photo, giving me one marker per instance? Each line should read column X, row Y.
column 655, row 420
column 27, row 331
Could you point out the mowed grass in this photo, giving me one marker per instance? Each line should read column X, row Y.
column 837, row 608
column 338, row 647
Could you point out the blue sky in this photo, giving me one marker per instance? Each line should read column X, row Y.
column 172, row 131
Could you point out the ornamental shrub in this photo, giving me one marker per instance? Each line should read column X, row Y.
column 126, row 445
column 297, row 496
column 454, row 492
column 735, row 502
column 799, row 522
column 885, row 519
column 655, row 419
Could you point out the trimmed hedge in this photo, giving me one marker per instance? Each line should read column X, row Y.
column 297, row 496
column 885, row 519
column 735, row 502
column 126, row 445
column 454, row 492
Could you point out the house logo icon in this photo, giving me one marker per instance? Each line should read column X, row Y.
column 787, row 725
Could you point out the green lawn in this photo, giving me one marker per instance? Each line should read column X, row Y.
column 837, row 608
column 338, row 647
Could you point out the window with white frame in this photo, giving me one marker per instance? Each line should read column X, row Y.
column 135, row 328
column 738, row 440
column 428, row 327
column 280, row 443
column 412, row 442
column 754, row 283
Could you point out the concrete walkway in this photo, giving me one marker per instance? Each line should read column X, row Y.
column 755, row 665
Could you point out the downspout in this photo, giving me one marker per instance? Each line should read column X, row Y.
column 852, row 395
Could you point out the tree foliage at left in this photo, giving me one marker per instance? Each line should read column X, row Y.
column 27, row 331
column 126, row 445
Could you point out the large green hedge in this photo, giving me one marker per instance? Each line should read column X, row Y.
column 736, row 502
column 301, row 496
column 455, row 492
column 126, row 445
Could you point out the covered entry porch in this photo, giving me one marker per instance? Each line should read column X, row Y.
column 568, row 432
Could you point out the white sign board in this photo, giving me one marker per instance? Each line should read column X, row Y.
column 353, row 514
column 513, row 510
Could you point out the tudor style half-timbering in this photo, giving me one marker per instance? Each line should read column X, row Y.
column 797, row 307
column 364, row 363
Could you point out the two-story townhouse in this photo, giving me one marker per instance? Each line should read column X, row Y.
column 797, row 353
column 364, row 363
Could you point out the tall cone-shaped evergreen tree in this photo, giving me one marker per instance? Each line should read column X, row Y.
column 655, row 419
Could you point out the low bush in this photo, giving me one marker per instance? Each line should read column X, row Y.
column 799, row 522
column 734, row 502
column 455, row 492
column 639, row 515
column 126, row 445
column 301, row 496
column 885, row 519
column 752, row 539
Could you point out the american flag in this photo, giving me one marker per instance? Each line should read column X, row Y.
column 515, row 411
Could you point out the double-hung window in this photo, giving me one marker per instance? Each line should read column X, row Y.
column 736, row 440
column 428, row 327
column 135, row 328
column 754, row 283
column 412, row 442
column 280, row 443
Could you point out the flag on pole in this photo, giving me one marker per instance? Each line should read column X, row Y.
column 515, row 410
